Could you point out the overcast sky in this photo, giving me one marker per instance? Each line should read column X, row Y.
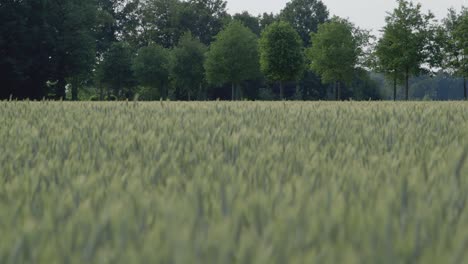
column 368, row 14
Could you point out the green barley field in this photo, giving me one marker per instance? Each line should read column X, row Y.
column 246, row 182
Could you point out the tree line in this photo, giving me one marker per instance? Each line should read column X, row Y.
column 195, row 50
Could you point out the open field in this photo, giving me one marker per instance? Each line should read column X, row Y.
column 233, row 182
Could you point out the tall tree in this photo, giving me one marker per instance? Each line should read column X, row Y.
column 267, row 19
column 116, row 69
column 455, row 45
column 335, row 52
column 161, row 22
column 305, row 16
column 281, row 54
column 188, row 71
column 151, row 67
column 388, row 61
column 46, row 41
column 412, row 31
column 252, row 22
column 233, row 57
column 118, row 20
column 204, row 18
column 71, row 23
column 25, row 49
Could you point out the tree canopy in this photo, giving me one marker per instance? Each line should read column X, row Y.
column 116, row 68
column 455, row 45
column 305, row 16
column 410, row 33
column 233, row 57
column 188, row 71
column 78, row 49
column 151, row 67
column 334, row 52
column 281, row 54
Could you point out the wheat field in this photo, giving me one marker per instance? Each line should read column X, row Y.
column 245, row 182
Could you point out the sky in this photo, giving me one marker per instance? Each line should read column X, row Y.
column 368, row 14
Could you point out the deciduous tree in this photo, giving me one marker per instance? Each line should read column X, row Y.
column 455, row 45
column 334, row 53
column 151, row 67
column 411, row 32
column 305, row 16
column 116, row 68
column 233, row 57
column 188, row 71
column 281, row 54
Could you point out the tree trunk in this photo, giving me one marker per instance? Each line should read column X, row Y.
column 394, row 87
column 199, row 96
column 298, row 90
column 233, row 88
column 407, row 85
column 335, row 87
column 339, row 91
column 60, row 89
column 101, row 92
column 281, row 90
column 464, row 89
column 75, row 89
column 239, row 94
column 189, row 96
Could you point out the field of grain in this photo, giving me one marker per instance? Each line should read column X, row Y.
column 246, row 182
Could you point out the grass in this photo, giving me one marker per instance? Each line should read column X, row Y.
column 233, row 182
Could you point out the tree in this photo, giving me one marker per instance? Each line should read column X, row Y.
column 188, row 71
column 161, row 22
column 151, row 67
column 25, row 48
column 69, row 26
column 118, row 20
column 267, row 19
column 455, row 45
column 204, row 18
column 116, row 68
column 46, row 41
column 249, row 21
column 334, row 53
column 305, row 16
column 232, row 57
column 388, row 60
column 412, row 35
column 281, row 55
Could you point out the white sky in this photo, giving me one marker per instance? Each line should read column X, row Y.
column 369, row 14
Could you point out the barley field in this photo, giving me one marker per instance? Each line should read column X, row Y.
column 246, row 182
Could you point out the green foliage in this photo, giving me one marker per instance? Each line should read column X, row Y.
column 43, row 41
column 205, row 18
column 151, row 67
column 388, row 59
column 111, row 98
column 305, row 16
column 161, row 20
column 281, row 54
column 408, row 42
column 94, row 98
column 251, row 22
column 267, row 19
column 163, row 182
column 455, row 45
column 64, row 49
column 233, row 56
column 188, row 71
column 334, row 52
column 115, row 71
column 461, row 37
